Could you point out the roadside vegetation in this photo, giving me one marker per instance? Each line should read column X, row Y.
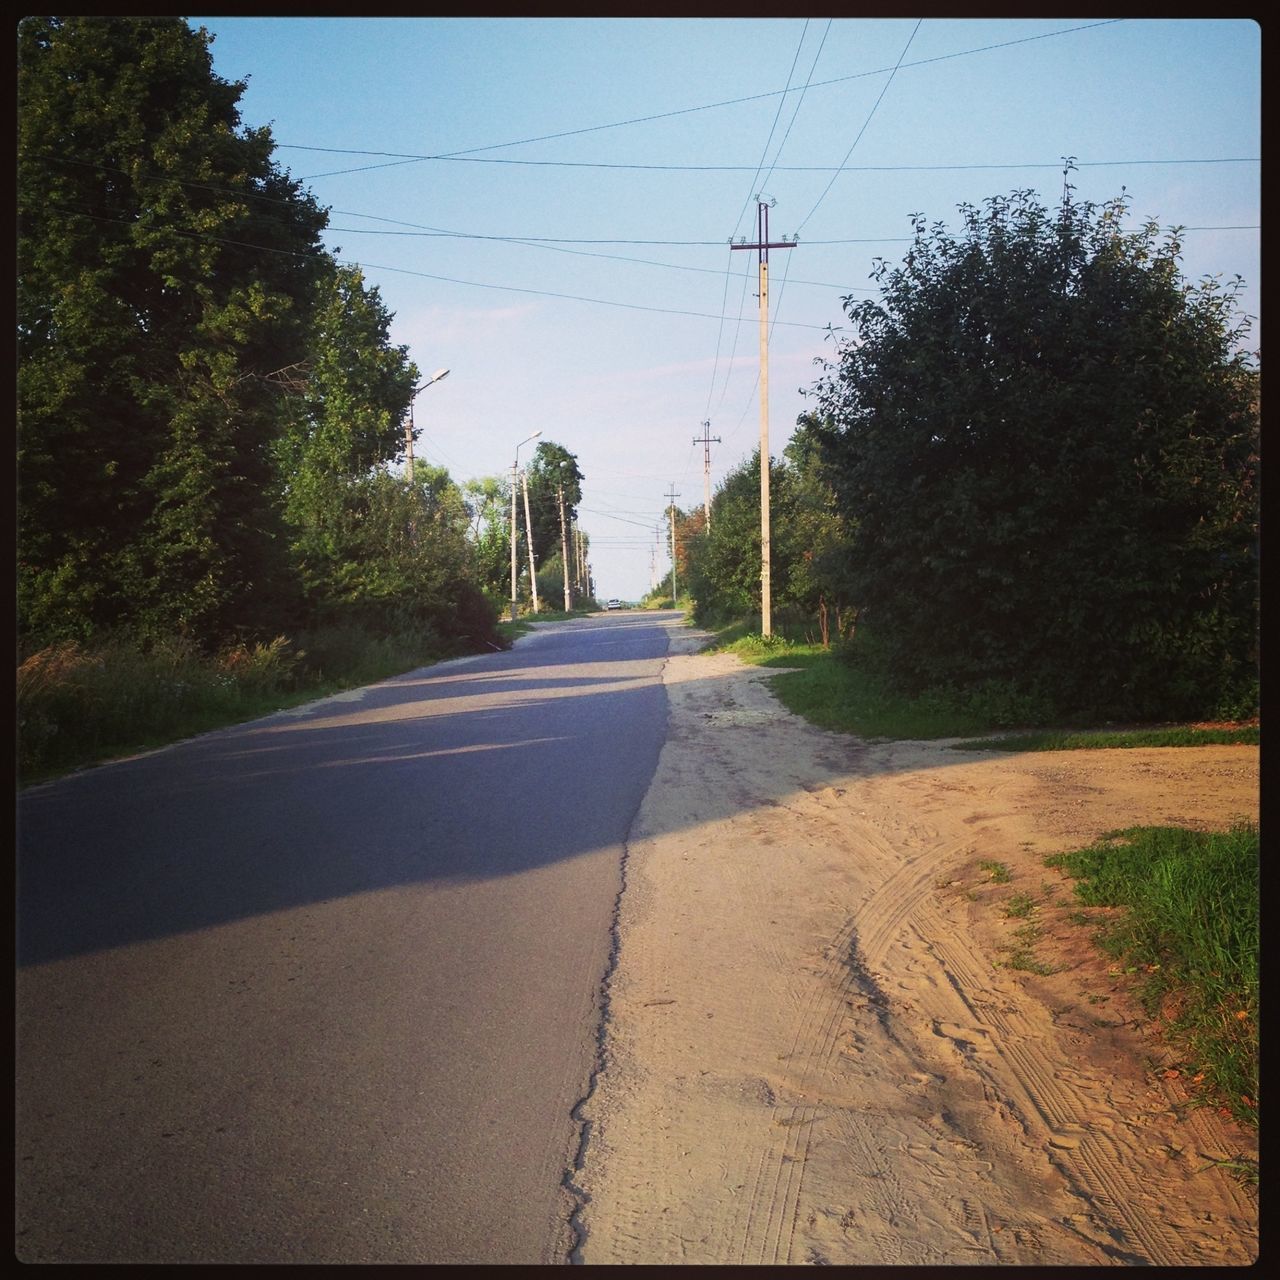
column 1026, row 496
column 81, row 704
column 1172, row 736
column 218, row 509
column 1179, row 911
column 1176, row 914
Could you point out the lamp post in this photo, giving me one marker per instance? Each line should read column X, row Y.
column 514, row 485
column 408, row 434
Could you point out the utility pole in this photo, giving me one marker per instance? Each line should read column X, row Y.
column 528, row 537
column 515, row 464
column 762, row 246
column 408, row 445
column 673, row 495
column 706, row 439
column 514, row 526
column 564, row 553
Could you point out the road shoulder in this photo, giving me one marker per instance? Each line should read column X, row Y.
column 811, row 1052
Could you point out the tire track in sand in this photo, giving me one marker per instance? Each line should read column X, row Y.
column 808, row 1058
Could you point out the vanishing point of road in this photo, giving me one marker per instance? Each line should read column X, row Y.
column 325, row 987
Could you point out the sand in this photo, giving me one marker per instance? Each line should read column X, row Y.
column 816, row 1049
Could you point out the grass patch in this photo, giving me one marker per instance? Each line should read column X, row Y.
column 834, row 689
column 1019, row 906
column 509, row 631
column 1174, row 736
column 1185, row 923
column 997, row 872
column 841, row 688
column 80, row 706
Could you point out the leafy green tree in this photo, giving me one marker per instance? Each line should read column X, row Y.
column 691, row 527
column 489, row 502
column 344, row 422
column 1048, row 442
column 163, row 267
column 552, row 465
column 815, row 542
column 724, row 565
column 407, row 560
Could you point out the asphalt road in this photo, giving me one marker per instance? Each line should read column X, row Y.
column 324, row 987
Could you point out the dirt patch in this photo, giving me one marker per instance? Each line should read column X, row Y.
column 816, row 1046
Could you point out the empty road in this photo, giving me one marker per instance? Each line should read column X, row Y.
column 324, row 987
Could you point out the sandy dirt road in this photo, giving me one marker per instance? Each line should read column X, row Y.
column 812, row 1051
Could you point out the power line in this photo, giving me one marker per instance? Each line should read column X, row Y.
column 773, row 168
column 865, row 123
column 821, row 168
column 401, row 158
column 715, row 363
column 426, row 275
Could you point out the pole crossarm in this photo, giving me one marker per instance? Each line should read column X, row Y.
column 706, row 440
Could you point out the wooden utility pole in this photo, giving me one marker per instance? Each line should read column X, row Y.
column 564, row 553
column 762, row 246
column 408, row 444
column 528, row 537
column 672, row 496
column 706, row 439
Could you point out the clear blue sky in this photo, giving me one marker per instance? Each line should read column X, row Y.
column 590, row 172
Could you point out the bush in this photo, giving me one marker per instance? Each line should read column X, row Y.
column 1047, row 446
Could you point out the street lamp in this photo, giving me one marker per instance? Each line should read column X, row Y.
column 514, row 468
column 408, row 435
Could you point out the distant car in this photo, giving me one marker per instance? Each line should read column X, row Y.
column 614, row 604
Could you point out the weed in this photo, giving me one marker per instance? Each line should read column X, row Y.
column 997, row 872
column 1019, row 906
column 78, row 706
column 1244, row 1169
column 1185, row 925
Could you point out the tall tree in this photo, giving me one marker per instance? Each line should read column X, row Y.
column 489, row 501
column 344, row 422
column 724, row 565
column 164, row 264
column 551, row 467
column 815, row 542
column 1048, row 441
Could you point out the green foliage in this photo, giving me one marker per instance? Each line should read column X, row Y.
column 489, row 502
column 836, row 689
column 80, row 704
column 77, row 704
column 207, row 401
column 551, row 467
column 551, row 584
column 1176, row 736
column 809, row 545
column 1188, row 921
column 343, row 425
column 406, row 562
column 1047, row 452
column 723, row 565
column 148, row 335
